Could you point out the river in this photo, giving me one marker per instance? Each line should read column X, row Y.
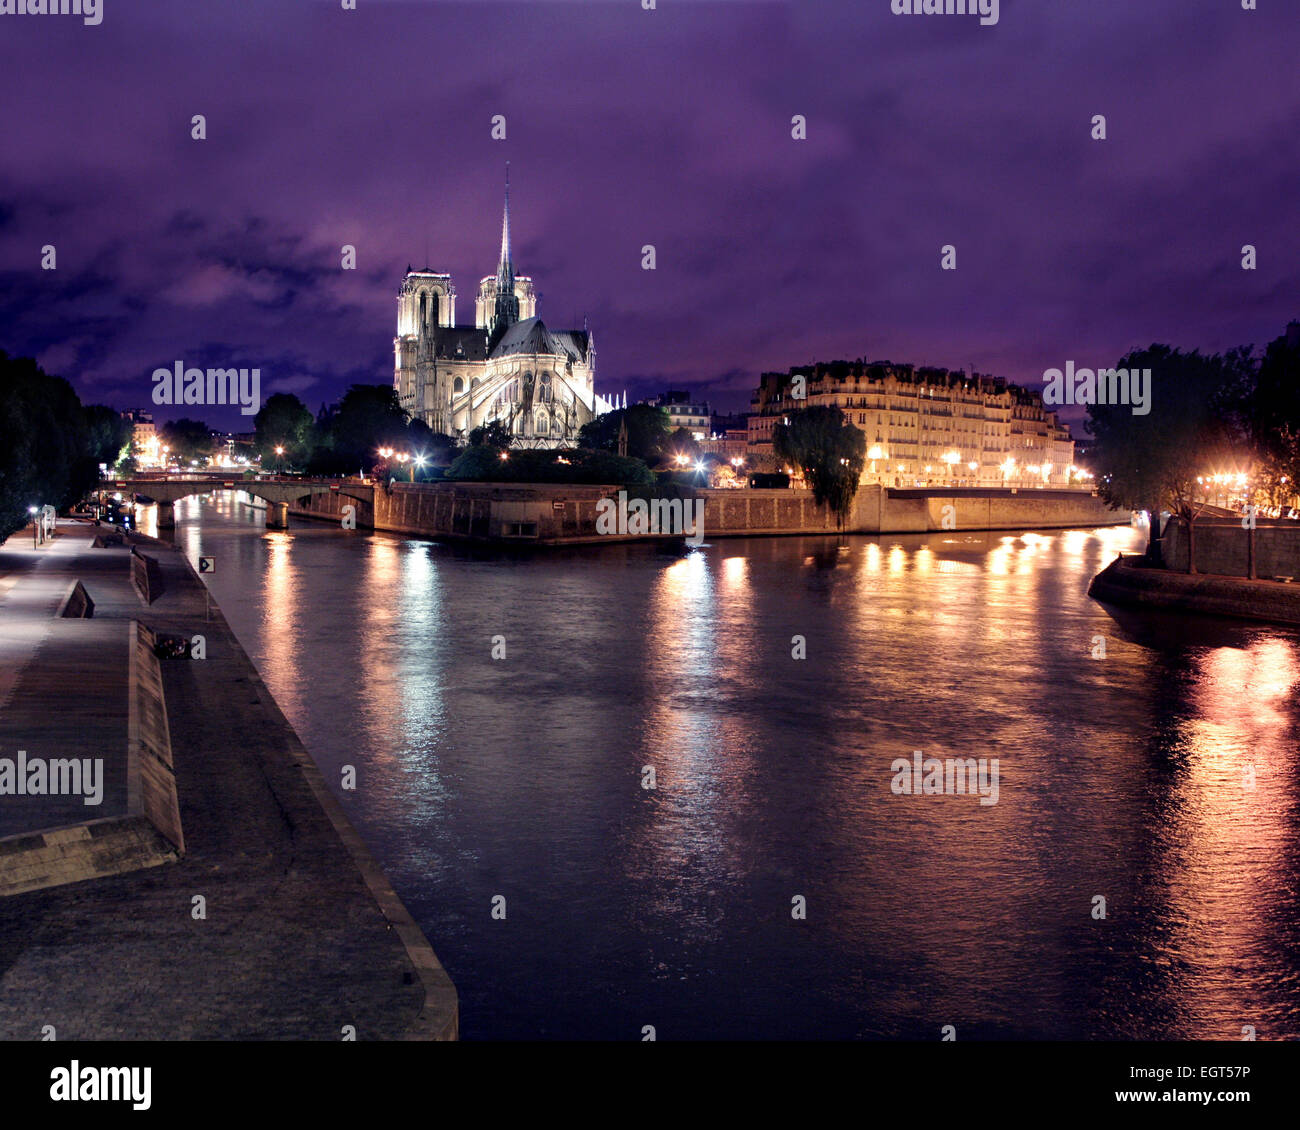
column 1135, row 879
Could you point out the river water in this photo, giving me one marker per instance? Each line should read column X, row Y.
column 773, row 885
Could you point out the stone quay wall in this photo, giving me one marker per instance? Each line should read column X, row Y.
column 564, row 514
column 1223, row 546
column 1126, row 581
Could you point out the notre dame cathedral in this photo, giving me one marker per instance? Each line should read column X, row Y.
column 509, row 366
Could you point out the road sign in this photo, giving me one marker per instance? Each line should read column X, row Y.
column 207, row 564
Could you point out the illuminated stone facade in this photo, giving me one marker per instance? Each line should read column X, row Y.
column 509, row 366
column 926, row 426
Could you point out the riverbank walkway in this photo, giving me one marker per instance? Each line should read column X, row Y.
column 299, row 935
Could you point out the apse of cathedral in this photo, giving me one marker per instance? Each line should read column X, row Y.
column 509, row 366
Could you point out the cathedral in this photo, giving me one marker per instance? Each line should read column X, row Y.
column 509, row 366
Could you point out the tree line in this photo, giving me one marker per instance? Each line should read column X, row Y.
column 1236, row 412
column 51, row 445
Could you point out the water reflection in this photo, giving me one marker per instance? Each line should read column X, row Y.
column 502, row 709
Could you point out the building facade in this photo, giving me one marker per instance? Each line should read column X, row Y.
column 509, row 366
column 926, row 427
column 683, row 412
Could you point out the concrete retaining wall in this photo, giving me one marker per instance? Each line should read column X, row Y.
column 76, row 605
column 1222, row 547
column 151, row 781
column 146, row 576
column 148, row 833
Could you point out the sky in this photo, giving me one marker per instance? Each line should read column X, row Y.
column 624, row 128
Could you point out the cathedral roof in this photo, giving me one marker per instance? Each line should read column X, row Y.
column 461, row 343
column 573, row 342
column 532, row 336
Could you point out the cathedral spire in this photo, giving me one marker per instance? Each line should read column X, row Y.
column 506, row 311
column 506, row 264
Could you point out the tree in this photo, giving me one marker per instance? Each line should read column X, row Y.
column 494, row 435
column 830, row 451
column 647, row 431
column 190, row 440
column 50, row 447
column 367, row 418
column 284, row 421
column 1151, row 461
column 682, row 442
column 108, row 435
column 483, row 463
column 1273, row 418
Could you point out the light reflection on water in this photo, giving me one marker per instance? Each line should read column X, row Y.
column 1124, row 777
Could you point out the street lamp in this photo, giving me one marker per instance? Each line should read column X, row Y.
column 279, row 462
column 32, row 511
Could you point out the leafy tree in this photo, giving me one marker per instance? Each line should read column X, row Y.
column 284, row 421
column 1273, row 418
column 108, row 435
column 419, row 436
column 1151, row 462
column 682, row 442
column 367, row 418
column 647, row 431
column 493, row 435
column 482, row 463
column 50, row 448
column 830, row 451
column 188, row 439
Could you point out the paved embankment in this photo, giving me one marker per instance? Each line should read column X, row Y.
column 301, row 935
column 1124, row 581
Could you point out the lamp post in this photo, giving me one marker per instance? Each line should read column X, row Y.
column 279, row 459
column 35, row 527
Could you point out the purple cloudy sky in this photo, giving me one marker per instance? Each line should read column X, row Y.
column 627, row 127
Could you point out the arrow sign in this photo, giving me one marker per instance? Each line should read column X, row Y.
column 207, row 564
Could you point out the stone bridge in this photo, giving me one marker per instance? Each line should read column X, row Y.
column 278, row 491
